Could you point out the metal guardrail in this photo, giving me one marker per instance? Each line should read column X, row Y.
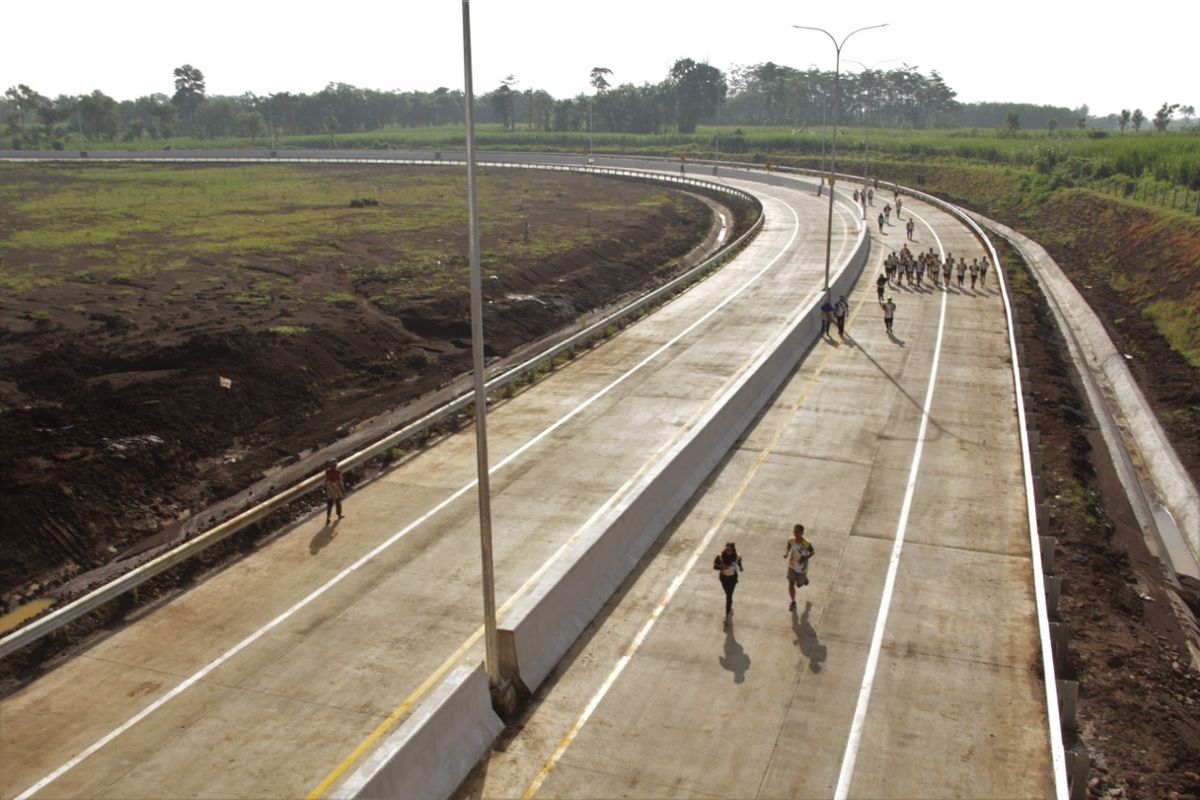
column 54, row 620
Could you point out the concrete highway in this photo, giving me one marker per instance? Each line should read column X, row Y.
column 911, row 666
column 271, row 678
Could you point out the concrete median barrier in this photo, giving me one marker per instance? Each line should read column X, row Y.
column 540, row 629
column 432, row 752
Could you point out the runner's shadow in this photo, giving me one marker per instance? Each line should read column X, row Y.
column 323, row 537
column 806, row 639
column 896, row 339
column 735, row 659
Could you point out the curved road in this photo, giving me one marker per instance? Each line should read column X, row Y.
column 910, row 666
column 262, row 681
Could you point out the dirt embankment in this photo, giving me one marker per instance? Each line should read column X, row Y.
column 1139, row 705
column 116, row 425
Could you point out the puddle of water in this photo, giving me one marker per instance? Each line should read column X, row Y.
column 13, row 619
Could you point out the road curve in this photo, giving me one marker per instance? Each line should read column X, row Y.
column 263, row 679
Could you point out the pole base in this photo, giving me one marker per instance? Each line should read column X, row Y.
column 504, row 699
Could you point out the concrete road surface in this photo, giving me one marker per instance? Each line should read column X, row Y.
column 910, row 667
column 263, row 680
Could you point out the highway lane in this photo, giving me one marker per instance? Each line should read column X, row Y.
column 262, row 679
column 909, row 668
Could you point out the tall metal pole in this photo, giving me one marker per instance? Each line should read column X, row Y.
column 867, row 130
column 837, row 46
column 491, row 642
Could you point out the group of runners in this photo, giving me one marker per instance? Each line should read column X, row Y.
column 902, row 267
column 798, row 551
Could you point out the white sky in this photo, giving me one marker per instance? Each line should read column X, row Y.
column 1046, row 52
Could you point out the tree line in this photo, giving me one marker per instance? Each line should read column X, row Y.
column 692, row 93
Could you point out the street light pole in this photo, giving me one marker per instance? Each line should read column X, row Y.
column 867, row 133
column 837, row 46
column 491, row 640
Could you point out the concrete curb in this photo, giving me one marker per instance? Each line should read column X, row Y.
column 432, row 752
column 1164, row 497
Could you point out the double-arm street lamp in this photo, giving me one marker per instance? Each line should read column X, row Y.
column 837, row 46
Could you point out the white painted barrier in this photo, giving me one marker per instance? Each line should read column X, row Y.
column 544, row 624
column 432, row 752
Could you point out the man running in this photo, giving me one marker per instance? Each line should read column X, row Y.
column 881, row 223
column 799, row 551
column 880, row 283
column 826, row 317
column 889, row 313
column 840, row 309
column 974, row 272
column 983, row 268
column 909, row 227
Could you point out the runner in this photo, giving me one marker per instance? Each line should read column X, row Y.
column 826, row 317
column 887, row 212
column 983, row 268
column 730, row 564
column 880, row 283
column 335, row 489
column 920, row 270
column 909, row 227
column 881, row 223
column 889, row 313
column 947, row 268
column 799, row 551
column 962, row 271
column 899, row 205
column 840, row 309
column 974, row 272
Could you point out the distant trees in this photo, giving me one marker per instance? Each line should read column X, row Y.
column 189, row 91
column 1137, row 119
column 1162, row 117
column 698, row 89
column 98, row 116
column 1123, row 119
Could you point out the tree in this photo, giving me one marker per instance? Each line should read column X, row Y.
column 1123, row 120
column 27, row 102
column 699, row 90
column 189, row 91
column 98, row 116
column 1052, row 125
column 598, row 81
column 504, row 102
column 1162, row 117
column 1012, row 123
column 1137, row 119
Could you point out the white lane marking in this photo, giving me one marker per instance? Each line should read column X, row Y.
column 850, row 756
column 256, row 635
column 724, row 230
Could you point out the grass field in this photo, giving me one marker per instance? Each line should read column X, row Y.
column 120, row 223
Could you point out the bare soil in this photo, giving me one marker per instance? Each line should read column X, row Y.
column 115, row 429
column 1139, row 703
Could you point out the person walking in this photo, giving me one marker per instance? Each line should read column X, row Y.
column 826, row 317
column 974, row 272
column 899, row 205
column 983, row 268
column 840, row 309
column 729, row 564
column 881, row 223
column 909, row 227
column 799, row 551
column 880, row 285
column 889, row 314
column 335, row 489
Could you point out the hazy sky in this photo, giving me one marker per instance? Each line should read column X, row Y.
column 1046, row 52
